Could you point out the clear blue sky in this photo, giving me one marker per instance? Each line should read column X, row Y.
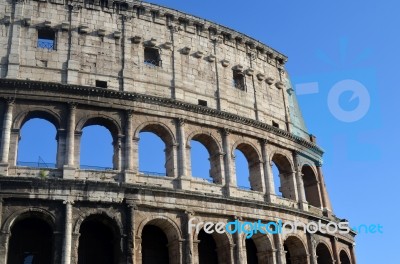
column 329, row 44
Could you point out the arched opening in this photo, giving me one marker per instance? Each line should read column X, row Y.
column 286, row 177
column 311, row 187
column 214, row 248
column 242, row 170
column 97, row 148
column 98, row 241
column 154, row 246
column 31, row 242
column 207, row 249
column 295, row 251
column 259, row 249
column 323, row 254
column 277, row 180
column 205, row 158
column 152, row 155
column 37, row 146
column 156, row 151
column 344, row 258
column 252, row 178
column 251, row 252
column 200, row 160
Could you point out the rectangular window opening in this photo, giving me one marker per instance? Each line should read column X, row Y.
column 101, row 84
column 152, row 57
column 202, row 102
column 238, row 80
column 46, row 39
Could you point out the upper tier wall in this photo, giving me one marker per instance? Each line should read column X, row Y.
column 198, row 59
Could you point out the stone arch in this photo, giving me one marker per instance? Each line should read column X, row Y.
column 210, row 142
column 38, row 112
column 100, row 212
column 29, row 236
column 100, row 238
column 254, row 160
column 286, row 175
column 111, row 125
column 296, row 251
column 37, row 212
column 167, row 136
column 158, row 128
column 324, row 253
column 42, row 113
column 344, row 257
column 264, row 246
column 102, row 120
column 311, row 185
column 171, row 231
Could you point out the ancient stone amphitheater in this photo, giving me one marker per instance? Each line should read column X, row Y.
column 133, row 67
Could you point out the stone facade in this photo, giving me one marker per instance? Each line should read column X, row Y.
column 135, row 67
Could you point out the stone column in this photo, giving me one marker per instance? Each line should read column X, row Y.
column 324, row 193
column 230, row 181
column 183, row 174
column 188, row 251
column 268, row 176
column 280, row 251
column 175, row 172
column 312, row 247
column 336, row 256
column 353, row 255
column 60, row 148
column 6, row 135
column 130, row 248
column 117, row 153
column 67, row 247
column 69, row 167
column 128, row 173
column 240, row 249
column 128, row 142
column 300, row 184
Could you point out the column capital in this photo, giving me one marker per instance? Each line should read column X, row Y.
column 69, row 202
column 189, row 212
column 319, row 163
column 72, row 105
column 264, row 141
column 10, row 101
column 181, row 121
column 129, row 113
column 226, row 131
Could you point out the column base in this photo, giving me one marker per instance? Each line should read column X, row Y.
column 328, row 213
column 269, row 198
column 68, row 172
column 3, row 169
column 129, row 176
column 184, row 183
column 303, row 206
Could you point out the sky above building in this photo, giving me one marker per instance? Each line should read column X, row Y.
column 343, row 58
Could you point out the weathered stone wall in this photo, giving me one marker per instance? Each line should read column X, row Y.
column 106, row 44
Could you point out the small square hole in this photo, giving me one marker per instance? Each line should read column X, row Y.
column 238, row 80
column 152, row 57
column 46, row 39
column 101, row 84
column 274, row 124
column 202, row 102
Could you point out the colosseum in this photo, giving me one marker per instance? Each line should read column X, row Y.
column 135, row 67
